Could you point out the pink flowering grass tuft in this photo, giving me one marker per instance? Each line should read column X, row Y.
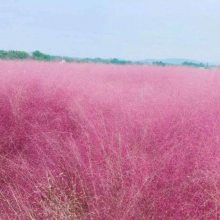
column 87, row 141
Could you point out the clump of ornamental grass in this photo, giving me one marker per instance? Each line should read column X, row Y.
column 87, row 141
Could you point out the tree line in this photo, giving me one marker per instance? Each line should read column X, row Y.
column 38, row 55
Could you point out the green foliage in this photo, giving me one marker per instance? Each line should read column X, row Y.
column 3, row 54
column 159, row 63
column 117, row 61
column 67, row 59
column 13, row 54
column 192, row 64
column 37, row 55
column 101, row 60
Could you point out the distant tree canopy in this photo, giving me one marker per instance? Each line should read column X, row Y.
column 38, row 55
column 187, row 63
column 101, row 60
column 13, row 54
column 118, row 61
column 159, row 63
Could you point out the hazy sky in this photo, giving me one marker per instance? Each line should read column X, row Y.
column 131, row 29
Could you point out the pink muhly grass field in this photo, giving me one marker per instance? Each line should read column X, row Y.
column 88, row 141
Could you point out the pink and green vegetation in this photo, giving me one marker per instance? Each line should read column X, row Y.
column 88, row 141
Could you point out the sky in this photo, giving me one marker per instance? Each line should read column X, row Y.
column 128, row 29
